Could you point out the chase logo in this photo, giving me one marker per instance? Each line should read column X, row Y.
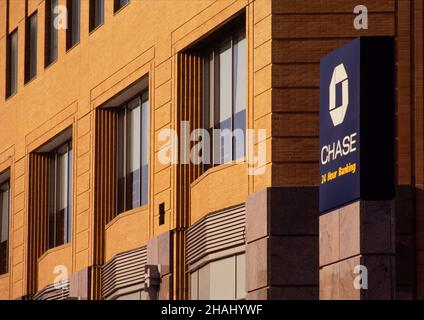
column 338, row 113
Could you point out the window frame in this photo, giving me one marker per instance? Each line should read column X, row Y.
column 207, row 266
column 142, row 295
column 73, row 33
column 54, row 195
column 5, row 187
column 118, row 6
column 123, row 150
column 31, row 43
column 97, row 14
column 211, row 93
column 51, row 35
column 12, row 63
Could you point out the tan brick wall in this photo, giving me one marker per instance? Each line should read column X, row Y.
column 285, row 40
column 143, row 38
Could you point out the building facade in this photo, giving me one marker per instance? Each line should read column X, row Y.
column 100, row 197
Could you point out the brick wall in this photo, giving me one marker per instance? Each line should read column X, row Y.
column 302, row 32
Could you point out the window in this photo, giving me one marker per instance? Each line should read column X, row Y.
column 60, row 196
column 136, row 295
column 73, row 31
column 12, row 64
column 4, row 222
column 31, row 47
column 222, row 279
column 224, row 114
column 118, row 4
column 96, row 13
column 133, row 154
column 51, row 33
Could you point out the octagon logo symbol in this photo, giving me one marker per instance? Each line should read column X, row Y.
column 338, row 113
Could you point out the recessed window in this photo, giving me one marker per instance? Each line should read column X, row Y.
column 224, row 100
column 118, row 4
column 222, row 279
column 74, row 21
column 31, row 47
column 4, row 222
column 50, row 33
column 49, row 222
column 60, row 195
column 97, row 8
column 133, row 154
column 12, row 64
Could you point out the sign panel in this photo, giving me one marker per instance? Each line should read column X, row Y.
column 356, row 114
column 340, row 126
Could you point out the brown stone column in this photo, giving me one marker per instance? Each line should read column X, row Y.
column 282, row 243
column 358, row 234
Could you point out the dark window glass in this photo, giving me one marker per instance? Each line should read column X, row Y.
column 73, row 31
column 50, row 32
column 12, row 64
column 224, row 114
column 60, row 196
column 133, row 154
column 4, row 225
column 118, row 4
column 31, row 47
column 96, row 13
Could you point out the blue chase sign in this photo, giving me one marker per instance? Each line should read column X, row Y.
column 357, row 123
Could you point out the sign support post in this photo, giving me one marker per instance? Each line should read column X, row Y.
column 356, row 223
